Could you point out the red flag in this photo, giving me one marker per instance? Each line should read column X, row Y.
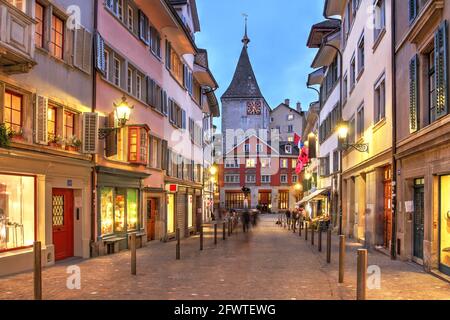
column 299, row 167
column 297, row 140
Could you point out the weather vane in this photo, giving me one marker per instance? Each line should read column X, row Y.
column 246, row 39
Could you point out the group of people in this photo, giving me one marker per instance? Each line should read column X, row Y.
column 246, row 217
column 296, row 217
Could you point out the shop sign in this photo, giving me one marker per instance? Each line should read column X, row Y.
column 172, row 188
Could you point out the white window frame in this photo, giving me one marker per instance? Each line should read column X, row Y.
column 130, row 18
column 284, row 178
column 130, row 80
column 288, row 149
column 253, row 180
column 250, row 163
column 139, row 86
column 117, row 71
column 233, row 165
column 264, row 179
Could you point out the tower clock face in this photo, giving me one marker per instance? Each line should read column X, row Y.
column 254, row 108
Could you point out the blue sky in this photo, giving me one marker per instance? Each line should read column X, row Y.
column 278, row 30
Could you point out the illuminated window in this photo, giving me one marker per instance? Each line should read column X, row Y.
column 265, row 163
column 12, row 116
column 284, row 164
column 51, row 123
column 39, row 27
column 17, row 212
column 57, row 39
column 250, row 163
column 19, row 4
column 137, row 145
column 283, row 200
column 69, row 124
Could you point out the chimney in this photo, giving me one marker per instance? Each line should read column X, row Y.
column 299, row 107
column 287, row 102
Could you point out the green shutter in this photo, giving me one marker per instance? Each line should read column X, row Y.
column 412, row 10
column 414, row 94
column 441, row 97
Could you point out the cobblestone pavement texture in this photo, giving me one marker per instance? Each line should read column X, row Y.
column 268, row 263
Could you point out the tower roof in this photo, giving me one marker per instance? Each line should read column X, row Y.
column 244, row 83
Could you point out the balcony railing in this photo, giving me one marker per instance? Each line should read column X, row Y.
column 16, row 39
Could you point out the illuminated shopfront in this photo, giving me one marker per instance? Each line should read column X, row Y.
column 17, row 212
column 170, row 213
column 119, row 210
column 445, row 224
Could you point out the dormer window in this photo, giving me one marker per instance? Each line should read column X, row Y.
column 288, row 149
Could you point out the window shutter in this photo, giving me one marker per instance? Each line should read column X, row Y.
column 79, row 48
column 151, row 92
column 87, row 53
column 168, row 54
column 100, row 62
column 69, row 47
column 111, row 139
column 165, row 104
column 441, row 74
column 90, row 132
column 414, row 95
column 41, row 135
column 164, row 155
column 412, row 10
column 143, row 27
column 312, row 147
column 110, row 4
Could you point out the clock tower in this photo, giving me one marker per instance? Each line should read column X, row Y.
column 243, row 105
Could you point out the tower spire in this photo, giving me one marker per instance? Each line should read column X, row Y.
column 246, row 39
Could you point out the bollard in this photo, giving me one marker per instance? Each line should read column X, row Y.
column 133, row 253
column 201, row 237
column 341, row 258
column 312, row 235
column 224, row 231
column 306, row 231
column 361, row 284
column 329, row 246
column 37, row 271
column 300, row 229
column 229, row 228
column 178, row 249
column 215, row 233
column 320, row 240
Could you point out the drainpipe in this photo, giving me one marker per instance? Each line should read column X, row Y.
column 94, row 106
column 394, row 136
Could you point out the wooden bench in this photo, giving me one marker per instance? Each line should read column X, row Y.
column 112, row 244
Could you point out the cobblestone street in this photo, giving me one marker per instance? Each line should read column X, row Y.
column 268, row 263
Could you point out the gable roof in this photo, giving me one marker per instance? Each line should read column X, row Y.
column 247, row 138
column 194, row 11
column 288, row 107
column 244, row 83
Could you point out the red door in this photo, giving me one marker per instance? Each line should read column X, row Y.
column 151, row 218
column 387, row 207
column 62, row 219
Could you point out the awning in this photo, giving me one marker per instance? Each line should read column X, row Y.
column 312, row 196
column 316, row 77
column 326, row 53
column 334, row 7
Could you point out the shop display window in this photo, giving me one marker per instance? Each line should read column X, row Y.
column 17, row 212
column 119, row 210
column 445, row 224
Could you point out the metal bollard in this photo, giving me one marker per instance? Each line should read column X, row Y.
column 229, row 228
column 329, row 246
column 306, row 231
column 224, row 231
column 37, row 271
column 300, row 229
column 133, row 253
column 341, row 258
column 361, row 285
column 215, row 233
column 320, row 240
column 312, row 235
column 201, row 237
column 178, row 248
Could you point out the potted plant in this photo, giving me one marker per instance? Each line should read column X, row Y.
column 18, row 135
column 56, row 142
column 73, row 144
column 5, row 136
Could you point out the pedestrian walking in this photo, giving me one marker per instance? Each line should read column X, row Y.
column 246, row 221
column 288, row 219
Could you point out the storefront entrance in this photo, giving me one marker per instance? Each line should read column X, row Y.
column 444, row 257
column 62, row 222
column 419, row 218
column 265, row 200
column 152, row 212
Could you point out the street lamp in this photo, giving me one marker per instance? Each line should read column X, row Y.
column 343, row 130
column 122, row 112
column 213, row 170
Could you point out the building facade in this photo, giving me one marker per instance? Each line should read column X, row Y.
column 45, row 173
column 75, row 175
column 422, row 144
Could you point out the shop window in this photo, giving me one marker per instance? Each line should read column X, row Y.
column 17, row 212
column 170, row 213
column 57, row 38
column 137, row 145
column 119, row 211
column 445, row 225
column 12, row 116
column 132, row 209
column 107, row 211
column 234, row 200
